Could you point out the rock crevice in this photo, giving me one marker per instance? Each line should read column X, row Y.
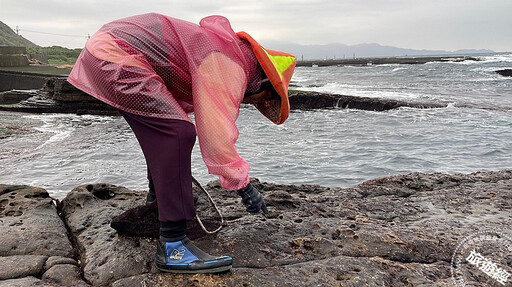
column 392, row 231
column 34, row 245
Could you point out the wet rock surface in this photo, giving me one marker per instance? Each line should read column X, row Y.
column 30, row 223
column 56, row 96
column 505, row 72
column 314, row 100
column 34, row 241
column 394, row 231
column 59, row 96
column 88, row 210
column 21, row 266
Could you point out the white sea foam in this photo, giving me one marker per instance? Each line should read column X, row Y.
column 61, row 126
column 498, row 58
column 358, row 91
column 59, row 130
column 398, row 69
column 487, row 69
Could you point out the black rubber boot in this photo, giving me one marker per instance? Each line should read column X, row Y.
column 180, row 255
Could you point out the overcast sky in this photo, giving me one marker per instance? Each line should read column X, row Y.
column 417, row 24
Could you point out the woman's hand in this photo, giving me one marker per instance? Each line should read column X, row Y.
column 252, row 199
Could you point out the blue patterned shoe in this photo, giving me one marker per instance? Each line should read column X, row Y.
column 182, row 256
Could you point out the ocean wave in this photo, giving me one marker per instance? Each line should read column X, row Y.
column 369, row 92
column 398, row 69
column 51, row 125
column 497, row 58
column 61, row 126
column 387, row 65
column 487, row 69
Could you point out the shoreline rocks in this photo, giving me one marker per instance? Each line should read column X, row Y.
column 394, row 231
column 505, row 72
column 59, row 96
column 384, row 61
column 34, row 244
column 56, row 96
column 313, row 100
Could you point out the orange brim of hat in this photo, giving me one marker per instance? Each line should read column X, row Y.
column 279, row 67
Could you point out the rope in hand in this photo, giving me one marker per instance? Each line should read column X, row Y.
column 198, row 184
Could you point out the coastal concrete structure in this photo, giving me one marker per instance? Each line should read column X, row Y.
column 11, row 56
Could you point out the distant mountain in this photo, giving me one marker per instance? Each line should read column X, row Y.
column 307, row 52
column 340, row 51
column 9, row 38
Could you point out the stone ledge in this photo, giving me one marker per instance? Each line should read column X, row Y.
column 398, row 231
column 58, row 96
column 34, row 243
column 313, row 100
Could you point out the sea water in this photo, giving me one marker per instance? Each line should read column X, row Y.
column 329, row 147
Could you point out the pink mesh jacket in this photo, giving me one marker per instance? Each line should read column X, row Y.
column 157, row 66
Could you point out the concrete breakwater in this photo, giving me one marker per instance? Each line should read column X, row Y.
column 21, row 81
column 12, row 56
column 394, row 231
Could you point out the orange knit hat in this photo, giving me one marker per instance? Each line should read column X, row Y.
column 278, row 66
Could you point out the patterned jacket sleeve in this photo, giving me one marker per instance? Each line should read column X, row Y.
column 218, row 89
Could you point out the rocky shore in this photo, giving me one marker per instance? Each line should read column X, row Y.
column 56, row 96
column 394, row 231
column 505, row 72
column 300, row 100
column 59, row 96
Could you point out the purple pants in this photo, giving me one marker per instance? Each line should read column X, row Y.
column 167, row 146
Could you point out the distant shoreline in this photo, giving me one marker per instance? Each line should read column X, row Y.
column 382, row 61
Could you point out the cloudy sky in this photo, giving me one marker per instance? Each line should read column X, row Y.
column 416, row 24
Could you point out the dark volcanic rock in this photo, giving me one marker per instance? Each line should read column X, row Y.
column 15, row 96
column 30, row 224
column 105, row 256
column 55, row 260
column 505, row 72
column 59, row 96
column 393, row 231
column 17, row 266
column 34, row 241
column 145, row 215
column 314, row 100
column 335, row 271
column 29, row 281
column 64, row 275
column 61, row 90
